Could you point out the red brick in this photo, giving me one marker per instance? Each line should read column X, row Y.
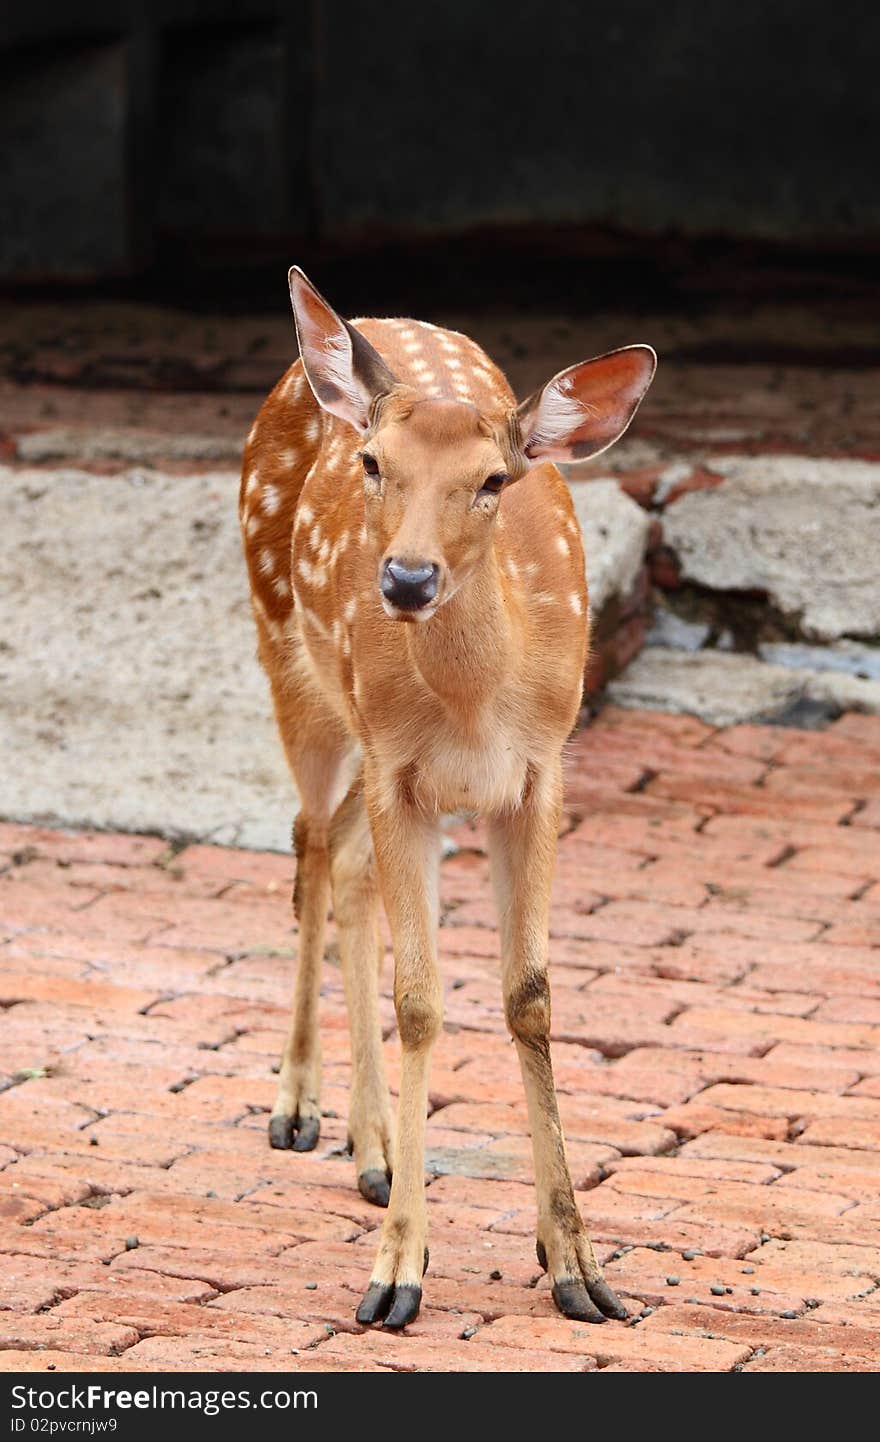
column 804, row 805
column 152, row 1317
column 615, row 1343
column 724, row 991
column 810, row 1359
column 764, row 1331
column 409, row 1354
column 74, row 1334
column 842, row 1132
column 725, row 1146
column 697, row 1116
column 760, row 1288
column 868, row 816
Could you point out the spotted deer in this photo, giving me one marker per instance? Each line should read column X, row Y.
column 417, row 581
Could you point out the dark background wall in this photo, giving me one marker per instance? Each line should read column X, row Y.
column 143, row 133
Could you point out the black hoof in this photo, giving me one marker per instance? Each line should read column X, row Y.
column 607, row 1301
column 426, row 1261
column 376, row 1303
column 281, row 1131
column 288, row 1134
column 375, row 1187
column 573, row 1300
column 397, row 1306
column 307, row 1135
column 407, row 1300
column 541, row 1254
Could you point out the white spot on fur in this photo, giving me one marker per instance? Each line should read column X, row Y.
column 271, row 499
column 311, row 618
column 304, row 514
column 252, row 483
column 252, row 525
column 281, row 587
column 266, row 562
column 562, row 546
column 575, row 603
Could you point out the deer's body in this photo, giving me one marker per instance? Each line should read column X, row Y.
column 388, row 725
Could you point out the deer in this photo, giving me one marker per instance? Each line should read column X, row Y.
column 417, row 581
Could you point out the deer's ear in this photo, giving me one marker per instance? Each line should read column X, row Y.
column 586, row 408
column 344, row 371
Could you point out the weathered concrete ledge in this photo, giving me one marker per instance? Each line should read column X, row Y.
column 724, row 688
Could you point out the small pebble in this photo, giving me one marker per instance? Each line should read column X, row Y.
column 691, row 1253
column 789, row 1315
column 717, row 1291
column 468, row 1333
column 131, row 1243
column 672, row 1281
column 755, row 1291
column 94, row 1142
column 311, row 1286
column 748, row 1271
column 495, row 1276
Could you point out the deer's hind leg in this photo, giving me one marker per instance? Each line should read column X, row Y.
column 322, row 760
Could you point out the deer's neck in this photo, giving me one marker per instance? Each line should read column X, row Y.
column 468, row 649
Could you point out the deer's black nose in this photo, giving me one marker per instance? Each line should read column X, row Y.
column 409, row 585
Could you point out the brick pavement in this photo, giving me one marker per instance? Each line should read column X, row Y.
column 716, row 1019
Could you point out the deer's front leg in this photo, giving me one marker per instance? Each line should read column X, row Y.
column 523, row 852
column 407, row 849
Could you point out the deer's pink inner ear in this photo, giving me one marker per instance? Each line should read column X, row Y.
column 586, row 408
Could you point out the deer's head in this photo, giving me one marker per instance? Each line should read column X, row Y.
column 434, row 469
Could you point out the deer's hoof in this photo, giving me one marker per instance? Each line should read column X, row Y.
column 588, row 1301
column 375, row 1186
column 395, row 1306
column 607, row 1300
column 288, row 1133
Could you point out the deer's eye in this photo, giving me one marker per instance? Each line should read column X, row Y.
column 493, row 484
column 370, row 464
